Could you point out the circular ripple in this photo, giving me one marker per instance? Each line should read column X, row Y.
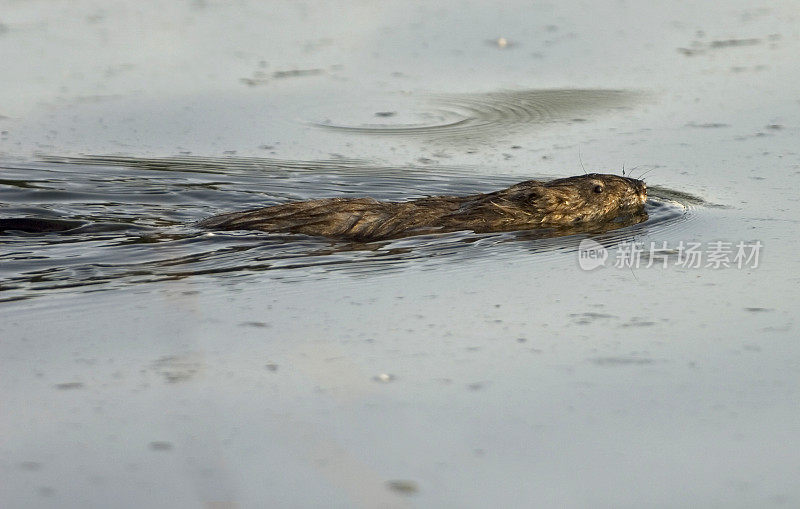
column 468, row 116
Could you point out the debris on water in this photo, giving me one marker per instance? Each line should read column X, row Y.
column 707, row 125
column 261, row 78
column 698, row 48
column 638, row 322
column 294, row 73
column 622, row 361
column 729, row 43
column 587, row 318
column 689, row 52
column 176, row 369
column 69, row 386
column 403, row 486
column 501, row 42
column 259, row 325
column 384, row 378
column 160, row 446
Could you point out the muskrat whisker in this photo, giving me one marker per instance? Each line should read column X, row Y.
column 581, row 161
column 641, row 177
column 634, row 273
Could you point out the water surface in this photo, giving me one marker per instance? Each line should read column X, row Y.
column 146, row 360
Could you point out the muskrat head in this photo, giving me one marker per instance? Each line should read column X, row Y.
column 594, row 197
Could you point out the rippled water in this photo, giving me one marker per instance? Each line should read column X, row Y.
column 461, row 118
column 114, row 221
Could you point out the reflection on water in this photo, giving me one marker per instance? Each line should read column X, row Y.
column 465, row 117
column 107, row 222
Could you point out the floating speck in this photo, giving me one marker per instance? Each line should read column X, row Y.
column 69, row 385
column 730, row 43
column 622, row 361
column 384, row 378
column 176, row 369
column 160, row 446
column 638, row 322
column 294, row 73
column 261, row 325
column 707, row 125
column 402, row 486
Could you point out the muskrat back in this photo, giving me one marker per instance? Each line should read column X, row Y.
column 587, row 199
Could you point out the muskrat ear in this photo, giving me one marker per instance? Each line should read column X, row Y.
column 524, row 195
column 530, row 195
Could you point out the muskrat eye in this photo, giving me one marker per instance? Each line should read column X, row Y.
column 598, row 189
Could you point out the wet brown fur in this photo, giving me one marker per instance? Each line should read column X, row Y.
column 563, row 203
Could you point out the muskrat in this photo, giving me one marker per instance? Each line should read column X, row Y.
column 585, row 200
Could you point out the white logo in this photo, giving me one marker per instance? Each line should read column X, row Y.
column 591, row 254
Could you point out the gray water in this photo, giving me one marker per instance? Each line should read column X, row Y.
column 148, row 362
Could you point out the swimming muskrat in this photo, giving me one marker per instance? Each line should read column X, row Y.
column 583, row 201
